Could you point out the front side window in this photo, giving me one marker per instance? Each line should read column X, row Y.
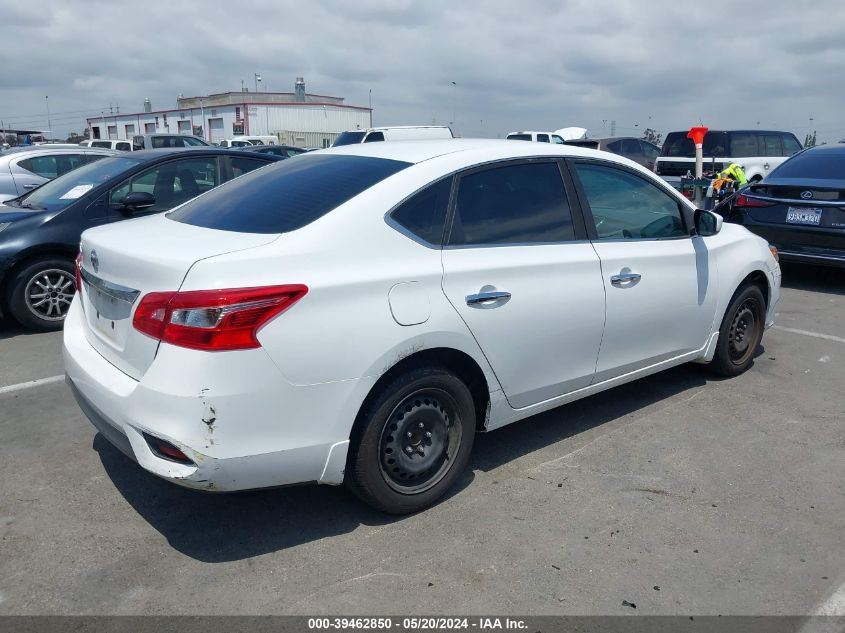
column 287, row 196
column 349, row 138
column 171, row 183
column 373, row 137
column 557, row 140
column 790, row 145
column 772, row 145
column 626, row 206
column 514, row 204
column 124, row 147
column 424, row 213
column 543, row 138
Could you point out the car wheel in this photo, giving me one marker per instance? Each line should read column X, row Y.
column 40, row 293
column 416, row 438
column 741, row 332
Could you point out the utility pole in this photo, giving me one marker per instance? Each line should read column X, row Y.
column 613, row 127
column 50, row 125
column 454, row 101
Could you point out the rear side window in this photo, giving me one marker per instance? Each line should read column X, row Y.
column 790, row 145
column 372, row 137
column 543, row 138
column 823, row 164
column 241, row 166
column 519, row 137
column 288, row 195
column 515, row 204
column 424, row 213
column 124, row 147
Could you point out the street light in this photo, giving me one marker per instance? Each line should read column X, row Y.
column 454, row 101
column 257, row 80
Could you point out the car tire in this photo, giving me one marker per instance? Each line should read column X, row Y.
column 415, row 440
column 740, row 332
column 40, row 293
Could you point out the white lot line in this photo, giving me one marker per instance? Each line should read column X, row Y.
column 827, row 337
column 32, row 383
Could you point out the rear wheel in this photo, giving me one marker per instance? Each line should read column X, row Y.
column 741, row 332
column 40, row 293
column 416, row 440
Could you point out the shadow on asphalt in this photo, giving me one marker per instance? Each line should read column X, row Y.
column 822, row 279
column 215, row 527
column 10, row 329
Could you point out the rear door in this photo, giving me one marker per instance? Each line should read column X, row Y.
column 518, row 270
column 658, row 280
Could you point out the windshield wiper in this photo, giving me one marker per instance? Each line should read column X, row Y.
column 27, row 205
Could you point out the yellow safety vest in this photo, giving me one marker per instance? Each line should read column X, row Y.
column 734, row 172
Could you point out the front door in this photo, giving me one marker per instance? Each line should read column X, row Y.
column 527, row 287
column 660, row 301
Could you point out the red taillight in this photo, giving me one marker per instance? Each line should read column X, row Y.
column 744, row 201
column 213, row 320
column 79, row 271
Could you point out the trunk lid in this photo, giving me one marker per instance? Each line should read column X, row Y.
column 124, row 261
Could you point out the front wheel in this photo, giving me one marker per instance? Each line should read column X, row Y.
column 40, row 293
column 740, row 333
column 416, row 440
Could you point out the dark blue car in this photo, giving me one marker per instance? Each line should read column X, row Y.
column 40, row 230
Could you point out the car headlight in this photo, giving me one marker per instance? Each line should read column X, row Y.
column 3, row 225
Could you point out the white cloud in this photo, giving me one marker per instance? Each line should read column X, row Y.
column 538, row 64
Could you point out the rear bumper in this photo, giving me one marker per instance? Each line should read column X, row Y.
column 796, row 243
column 233, row 414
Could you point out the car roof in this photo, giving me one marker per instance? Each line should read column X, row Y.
column 59, row 149
column 755, row 131
column 830, row 149
column 152, row 154
column 494, row 149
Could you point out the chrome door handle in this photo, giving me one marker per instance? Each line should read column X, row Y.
column 486, row 297
column 30, row 186
column 624, row 278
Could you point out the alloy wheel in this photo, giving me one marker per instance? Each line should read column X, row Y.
column 48, row 294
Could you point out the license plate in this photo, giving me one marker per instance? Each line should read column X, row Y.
column 794, row 215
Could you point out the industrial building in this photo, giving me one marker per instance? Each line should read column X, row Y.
column 295, row 118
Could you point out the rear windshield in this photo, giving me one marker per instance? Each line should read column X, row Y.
column 348, row 138
column 822, row 164
column 677, row 145
column 286, row 196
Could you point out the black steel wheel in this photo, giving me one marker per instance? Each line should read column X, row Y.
column 412, row 440
column 741, row 332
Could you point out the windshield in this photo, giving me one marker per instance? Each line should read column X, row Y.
column 677, row 145
column 60, row 192
column 348, row 138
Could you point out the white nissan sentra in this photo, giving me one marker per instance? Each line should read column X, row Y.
column 356, row 315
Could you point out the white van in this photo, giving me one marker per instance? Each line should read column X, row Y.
column 394, row 133
column 243, row 141
column 119, row 144
column 538, row 137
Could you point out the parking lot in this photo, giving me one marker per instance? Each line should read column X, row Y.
column 679, row 493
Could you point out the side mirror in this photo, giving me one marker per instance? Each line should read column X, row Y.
column 706, row 223
column 138, row 200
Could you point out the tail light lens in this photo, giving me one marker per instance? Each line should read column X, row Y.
column 213, row 320
column 79, row 271
column 744, row 201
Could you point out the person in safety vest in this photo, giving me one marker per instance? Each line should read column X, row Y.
column 735, row 173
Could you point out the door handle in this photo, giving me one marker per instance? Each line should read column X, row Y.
column 30, row 186
column 623, row 278
column 486, row 297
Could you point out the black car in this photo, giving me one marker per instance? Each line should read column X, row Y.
column 799, row 207
column 40, row 230
column 283, row 151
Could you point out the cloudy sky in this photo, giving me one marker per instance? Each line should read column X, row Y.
column 527, row 64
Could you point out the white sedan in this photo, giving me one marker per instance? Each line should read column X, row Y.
column 358, row 314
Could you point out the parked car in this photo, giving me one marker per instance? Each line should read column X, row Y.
column 395, row 133
column 285, row 151
column 39, row 231
column 234, row 142
column 158, row 141
column 637, row 149
column 539, row 137
column 799, row 207
column 119, row 144
column 359, row 313
column 756, row 151
column 25, row 168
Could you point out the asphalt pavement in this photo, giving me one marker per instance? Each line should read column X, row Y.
column 679, row 493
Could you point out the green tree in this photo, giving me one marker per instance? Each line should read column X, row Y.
column 652, row 136
column 810, row 139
